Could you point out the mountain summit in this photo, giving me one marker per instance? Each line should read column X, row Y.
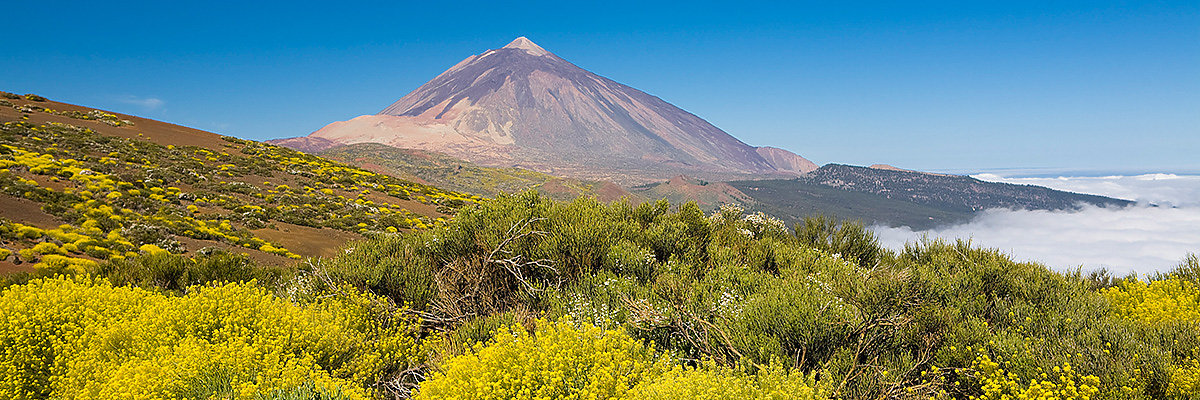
column 521, row 105
column 529, row 46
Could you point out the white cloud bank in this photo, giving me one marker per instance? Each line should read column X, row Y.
column 1140, row 239
column 1162, row 189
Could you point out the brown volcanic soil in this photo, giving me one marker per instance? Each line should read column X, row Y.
column 27, row 212
column 708, row 195
column 151, row 130
column 24, row 212
column 609, row 192
column 307, row 241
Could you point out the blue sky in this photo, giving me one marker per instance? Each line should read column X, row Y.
column 929, row 85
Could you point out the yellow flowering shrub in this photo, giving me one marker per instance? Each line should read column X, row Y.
column 562, row 360
column 44, row 322
column 81, row 338
column 714, row 382
column 1064, row 384
column 1185, row 379
column 557, row 361
column 1160, row 301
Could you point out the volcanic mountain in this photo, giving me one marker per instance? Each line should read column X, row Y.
column 522, row 106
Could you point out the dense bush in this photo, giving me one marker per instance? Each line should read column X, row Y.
column 562, row 360
column 83, row 338
column 848, row 239
column 559, row 361
column 176, row 273
column 713, row 382
column 1169, row 308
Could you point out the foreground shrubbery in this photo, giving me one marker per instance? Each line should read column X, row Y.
column 564, row 361
column 523, row 297
column 83, row 338
column 743, row 291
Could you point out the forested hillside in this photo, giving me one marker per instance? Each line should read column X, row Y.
column 951, row 192
column 920, row 201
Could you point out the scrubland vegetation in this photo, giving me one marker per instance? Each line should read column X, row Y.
column 524, row 297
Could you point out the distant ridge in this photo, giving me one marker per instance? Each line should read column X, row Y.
column 952, row 191
column 521, row 105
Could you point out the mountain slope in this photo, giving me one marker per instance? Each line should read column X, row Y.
column 680, row 189
column 79, row 185
column 521, row 105
column 785, row 160
column 462, row 176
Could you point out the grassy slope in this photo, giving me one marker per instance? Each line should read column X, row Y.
column 455, row 174
column 175, row 186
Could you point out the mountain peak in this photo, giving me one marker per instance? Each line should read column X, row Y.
column 521, row 105
column 523, row 43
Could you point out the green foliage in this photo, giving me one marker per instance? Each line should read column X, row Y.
column 176, row 273
column 306, row 391
column 1188, row 270
column 849, row 239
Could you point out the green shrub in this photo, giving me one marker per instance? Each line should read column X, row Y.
column 849, row 239
column 176, row 272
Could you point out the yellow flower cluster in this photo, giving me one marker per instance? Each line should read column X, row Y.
column 80, row 338
column 562, row 360
column 1064, row 384
column 557, row 361
column 716, row 383
column 1161, row 301
column 1167, row 301
column 74, row 241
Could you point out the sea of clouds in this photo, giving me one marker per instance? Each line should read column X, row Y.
column 1154, row 235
